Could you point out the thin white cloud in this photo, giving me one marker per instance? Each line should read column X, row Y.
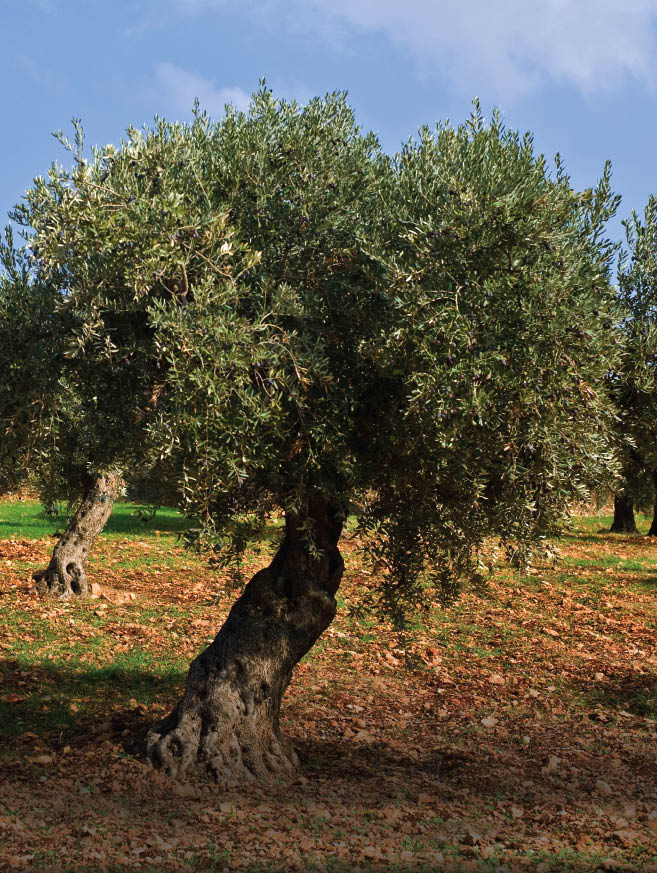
column 47, row 80
column 508, row 47
column 514, row 45
column 48, row 6
column 200, row 7
column 195, row 7
column 183, row 87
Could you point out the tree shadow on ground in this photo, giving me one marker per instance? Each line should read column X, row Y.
column 112, row 703
column 575, row 537
column 72, row 703
column 544, row 863
column 648, row 582
column 582, row 538
column 367, row 775
column 487, row 778
column 632, row 693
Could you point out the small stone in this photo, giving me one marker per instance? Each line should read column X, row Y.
column 471, row 838
column 41, row 759
column 603, row 787
column 553, row 764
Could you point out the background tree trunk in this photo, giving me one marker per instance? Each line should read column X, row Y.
column 65, row 575
column 226, row 725
column 653, row 526
column 623, row 515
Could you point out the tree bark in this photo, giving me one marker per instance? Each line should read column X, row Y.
column 623, row 515
column 65, row 576
column 653, row 526
column 227, row 724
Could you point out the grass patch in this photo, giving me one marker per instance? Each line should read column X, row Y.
column 26, row 519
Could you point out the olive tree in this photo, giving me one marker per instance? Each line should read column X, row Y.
column 80, row 374
column 45, row 440
column 316, row 327
column 634, row 384
column 26, row 329
column 48, row 429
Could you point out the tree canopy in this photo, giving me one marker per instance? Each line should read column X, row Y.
column 268, row 312
column 268, row 306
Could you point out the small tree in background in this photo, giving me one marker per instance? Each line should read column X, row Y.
column 81, row 373
column 634, row 385
column 30, row 345
column 313, row 326
column 45, row 437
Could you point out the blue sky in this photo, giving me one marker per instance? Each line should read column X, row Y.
column 580, row 74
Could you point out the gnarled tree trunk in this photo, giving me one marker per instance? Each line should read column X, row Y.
column 623, row 515
column 653, row 526
column 65, row 575
column 226, row 725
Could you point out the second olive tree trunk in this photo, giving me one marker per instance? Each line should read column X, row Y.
column 624, row 521
column 653, row 526
column 65, row 577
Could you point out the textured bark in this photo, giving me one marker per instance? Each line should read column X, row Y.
column 653, row 526
column 227, row 724
column 65, row 575
column 623, row 515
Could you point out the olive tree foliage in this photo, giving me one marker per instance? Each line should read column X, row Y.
column 37, row 406
column 80, row 377
column 504, row 334
column 451, row 385
column 82, row 374
column 267, row 307
column 634, row 383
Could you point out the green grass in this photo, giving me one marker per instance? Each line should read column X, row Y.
column 600, row 524
column 50, row 669
column 68, row 654
column 25, row 519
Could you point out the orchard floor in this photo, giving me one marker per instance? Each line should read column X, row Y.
column 523, row 738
